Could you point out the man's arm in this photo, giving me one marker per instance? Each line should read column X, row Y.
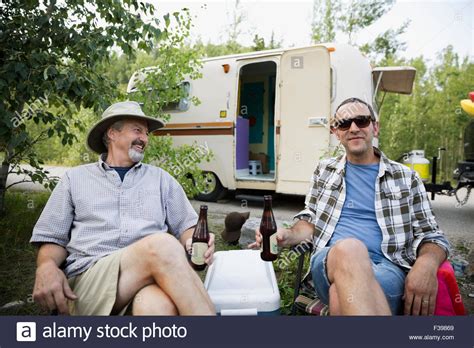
column 186, row 241
column 302, row 230
column 287, row 237
column 431, row 248
column 51, row 287
column 421, row 284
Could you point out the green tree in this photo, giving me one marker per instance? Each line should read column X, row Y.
column 359, row 14
column 345, row 20
column 259, row 43
column 161, row 86
column 237, row 17
column 325, row 20
column 50, row 67
column 431, row 117
column 386, row 45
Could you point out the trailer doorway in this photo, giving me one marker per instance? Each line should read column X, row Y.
column 255, row 135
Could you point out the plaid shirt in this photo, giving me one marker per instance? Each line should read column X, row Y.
column 402, row 208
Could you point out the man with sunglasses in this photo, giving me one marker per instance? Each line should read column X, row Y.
column 375, row 238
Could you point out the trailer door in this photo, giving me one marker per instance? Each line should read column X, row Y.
column 304, row 87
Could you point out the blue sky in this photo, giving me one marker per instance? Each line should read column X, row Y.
column 434, row 24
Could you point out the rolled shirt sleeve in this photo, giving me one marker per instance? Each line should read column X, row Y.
column 54, row 223
column 425, row 227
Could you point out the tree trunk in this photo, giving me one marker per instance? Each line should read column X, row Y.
column 3, row 183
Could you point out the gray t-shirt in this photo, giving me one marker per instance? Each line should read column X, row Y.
column 92, row 213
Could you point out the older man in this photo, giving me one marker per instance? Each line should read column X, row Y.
column 118, row 229
column 371, row 223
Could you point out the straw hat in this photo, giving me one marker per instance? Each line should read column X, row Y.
column 114, row 113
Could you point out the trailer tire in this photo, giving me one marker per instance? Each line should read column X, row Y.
column 215, row 189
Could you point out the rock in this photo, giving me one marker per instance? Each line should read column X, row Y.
column 459, row 266
column 12, row 304
column 249, row 227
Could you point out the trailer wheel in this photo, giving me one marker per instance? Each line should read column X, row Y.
column 214, row 189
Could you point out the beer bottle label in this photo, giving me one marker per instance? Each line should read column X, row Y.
column 197, row 257
column 273, row 244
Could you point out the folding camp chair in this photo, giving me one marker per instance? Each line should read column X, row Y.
column 305, row 300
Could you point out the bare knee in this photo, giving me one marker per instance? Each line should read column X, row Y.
column 151, row 300
column 348, row 256
column 164, row 251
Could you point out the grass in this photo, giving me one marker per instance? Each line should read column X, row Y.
column 17, row 256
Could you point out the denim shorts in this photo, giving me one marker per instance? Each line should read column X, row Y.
column 390, row 277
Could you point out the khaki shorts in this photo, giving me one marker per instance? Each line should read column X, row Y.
column 96, row 288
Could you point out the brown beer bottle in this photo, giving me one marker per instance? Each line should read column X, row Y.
column 268, row 228
column 200, row 240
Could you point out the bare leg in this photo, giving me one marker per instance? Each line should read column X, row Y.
column 334, row 307
column 151, row 300
column 350, row 271
column 160, row 260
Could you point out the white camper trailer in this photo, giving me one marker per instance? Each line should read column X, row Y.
column 265, row 115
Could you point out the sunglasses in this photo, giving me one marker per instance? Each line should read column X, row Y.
column 360, row 121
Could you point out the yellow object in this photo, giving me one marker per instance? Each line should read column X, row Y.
column 423, row 170
column 223, row 114
column 416, row 161
column 468, row 106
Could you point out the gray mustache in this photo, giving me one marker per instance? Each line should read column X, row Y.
column 138, row 142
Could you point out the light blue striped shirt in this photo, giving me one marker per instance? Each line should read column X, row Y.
column 92, row 213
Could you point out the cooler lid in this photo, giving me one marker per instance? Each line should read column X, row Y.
column 241, row 279
column 235, row 271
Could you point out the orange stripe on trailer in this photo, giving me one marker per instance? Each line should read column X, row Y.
column 199, row 125
column 203, row 128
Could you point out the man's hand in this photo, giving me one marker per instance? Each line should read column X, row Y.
column 421, row 284
column 288, row 237
column 209, row 254
column 283, row 238
column 51, row 288
column 421, row 288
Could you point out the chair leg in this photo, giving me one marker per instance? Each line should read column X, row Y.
column 297, row 286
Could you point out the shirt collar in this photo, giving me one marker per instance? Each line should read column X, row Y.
column 104, row 166
column 339, row 163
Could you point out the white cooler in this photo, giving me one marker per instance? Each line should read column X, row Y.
column 239, row 282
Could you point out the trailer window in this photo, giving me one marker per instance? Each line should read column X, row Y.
column 183, row 103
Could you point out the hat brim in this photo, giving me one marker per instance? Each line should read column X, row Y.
column 231, row 236
column 94, row 138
